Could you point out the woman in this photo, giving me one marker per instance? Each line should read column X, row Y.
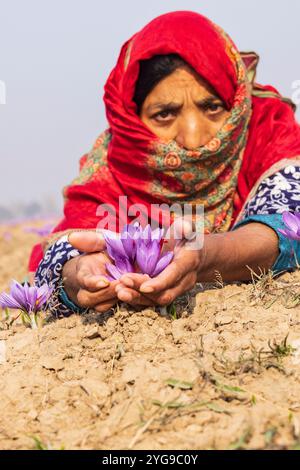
column 187, row 124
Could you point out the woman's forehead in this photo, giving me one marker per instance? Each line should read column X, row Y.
column 182, row 80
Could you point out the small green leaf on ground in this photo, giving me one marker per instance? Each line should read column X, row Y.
column 179, row 384
column 169, row 404
column 217, row 408
column 269, row 435
column 38, row 444
column 230, row 388
column 253, row 400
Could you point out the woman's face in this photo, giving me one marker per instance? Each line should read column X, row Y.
column 183, row 107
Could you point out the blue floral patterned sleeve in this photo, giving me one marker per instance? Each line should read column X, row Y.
column 278, row 193
column 50, row 272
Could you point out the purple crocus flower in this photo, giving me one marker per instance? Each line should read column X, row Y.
column 149, row 235
column 122, row 266
column 29, row 299
column 122, row 245
column 136, row 248
column 292, row 223
column 149, row 258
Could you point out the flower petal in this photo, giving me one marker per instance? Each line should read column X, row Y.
column 164, row 261
column 110, row 234
column 6, row 301
column 129, row 247
column 124, row 265
column 290, row 234
column 31, row 293
column 290, row 221
column 147, row 255
column 17, row 292
column 146, row 234
column 113, row 271
column 141, row 256
column 114, row 246
column 129, row 230
column 153, row 257
column 43, row 294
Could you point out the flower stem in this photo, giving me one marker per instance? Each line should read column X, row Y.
column 33, row 321
column 295, row 256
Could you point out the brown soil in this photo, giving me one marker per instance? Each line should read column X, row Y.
column 218, row 378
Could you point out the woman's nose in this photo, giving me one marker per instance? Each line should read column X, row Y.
column 193, row 132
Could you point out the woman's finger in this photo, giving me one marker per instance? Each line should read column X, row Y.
column 132, row 297
column 90, row 299
column 164, row 298
column 184, row 262
column 91, row 271
column 89, row 242
column 105, row 306
column 166, row 279
column 169, row 295
column 91, row 282
column 133, row 280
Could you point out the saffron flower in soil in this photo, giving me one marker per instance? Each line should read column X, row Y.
column 292, row 223
column 136, row 250
column 29, row 299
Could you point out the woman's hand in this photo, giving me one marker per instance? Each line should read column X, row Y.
column 179, row 277
column 84, row 277
column 230, row 253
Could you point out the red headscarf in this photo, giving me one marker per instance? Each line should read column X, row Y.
column 119, row 162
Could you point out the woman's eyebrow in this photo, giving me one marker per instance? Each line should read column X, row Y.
column 172, row 105
column 160, row 105
column 208, row 100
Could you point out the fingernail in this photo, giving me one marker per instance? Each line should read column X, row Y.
column 146, row 289
column 129, row 282
column 101, row 284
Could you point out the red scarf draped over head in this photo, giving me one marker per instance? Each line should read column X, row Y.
column 129, row 160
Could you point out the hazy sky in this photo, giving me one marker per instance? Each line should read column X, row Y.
column 55, row 56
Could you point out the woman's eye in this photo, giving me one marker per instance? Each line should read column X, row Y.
column 214, row 108
column 164, row 115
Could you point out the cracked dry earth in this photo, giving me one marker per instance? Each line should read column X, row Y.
column 219, row 377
